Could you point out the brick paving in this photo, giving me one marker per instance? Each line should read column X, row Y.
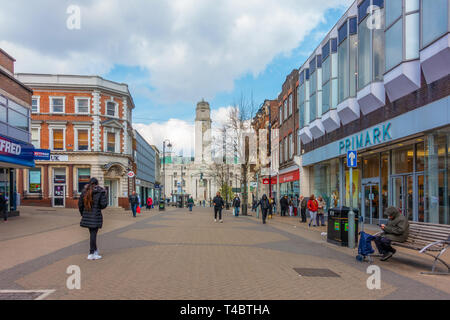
column 181, row 255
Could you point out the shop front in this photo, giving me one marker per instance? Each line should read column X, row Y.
column 14, row 154
column 290, row 183
column 402, row 163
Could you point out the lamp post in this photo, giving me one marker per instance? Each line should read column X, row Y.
column 169, row 145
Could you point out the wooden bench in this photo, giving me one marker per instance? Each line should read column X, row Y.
column 430, row 239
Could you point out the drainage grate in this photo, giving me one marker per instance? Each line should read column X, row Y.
column 24, row 294
column 314, row 272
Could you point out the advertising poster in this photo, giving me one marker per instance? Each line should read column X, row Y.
column 355, row 187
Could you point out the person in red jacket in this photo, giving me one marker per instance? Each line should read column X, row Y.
column 149, row 202
column 313, row 206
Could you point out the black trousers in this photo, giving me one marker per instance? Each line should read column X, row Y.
column 303, row 213
column 5, row 214
column 264, row 215
column 283, row 211
column 383, row 244
column 218, row 211
column 93, row 240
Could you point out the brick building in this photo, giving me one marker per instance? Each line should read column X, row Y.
column 16, row 150
column 85, row 121
column 288, row 115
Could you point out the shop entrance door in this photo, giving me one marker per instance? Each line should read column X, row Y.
column 371, row 207
column 403, row 195
column 111, row 189
column 59, row 195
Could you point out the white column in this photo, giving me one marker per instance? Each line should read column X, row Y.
column 96, row 118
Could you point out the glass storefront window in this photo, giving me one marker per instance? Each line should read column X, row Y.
column 18, row 120
column 34, row 185
column 371, row 166
column 437, row 196
column 420, row 156
column 403, row 160
column 326, row 182
column 434, row 20
column 84, row 175
column 3, row 111
column 384, row 184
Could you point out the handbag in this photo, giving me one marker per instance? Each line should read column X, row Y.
column 138, row 209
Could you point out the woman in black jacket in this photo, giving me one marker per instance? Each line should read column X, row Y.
column 93, row 199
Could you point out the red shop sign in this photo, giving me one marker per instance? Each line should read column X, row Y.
column 290, row 176
column 266, row 181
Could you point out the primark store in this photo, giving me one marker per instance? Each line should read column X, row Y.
column 384, row 91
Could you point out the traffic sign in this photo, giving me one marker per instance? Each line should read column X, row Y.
column 130, row 174
column 352, row 159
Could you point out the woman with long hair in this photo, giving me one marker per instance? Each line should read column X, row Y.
column 93, row 199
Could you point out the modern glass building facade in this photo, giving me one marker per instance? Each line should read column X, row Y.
column 390, row 103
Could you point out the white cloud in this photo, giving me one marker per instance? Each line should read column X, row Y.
column 190, row 48
column 180, row 133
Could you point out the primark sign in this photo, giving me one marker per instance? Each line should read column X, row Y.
column 419, row 120
column 377, row 135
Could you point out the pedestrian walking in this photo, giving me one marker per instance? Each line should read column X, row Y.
column 291, row 206
column 272, row 204
column 303, row 208
column 236, row 205
column 313, row 206
column 190, row 203
column 284, row 205
column 93, row 199
column 134, row 202
column 265, row 207
column 3, row 207
column 321, row 211
column 218, row 206
column 149, row 203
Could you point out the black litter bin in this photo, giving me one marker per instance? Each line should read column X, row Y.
column 162, row 205
column 338, row 226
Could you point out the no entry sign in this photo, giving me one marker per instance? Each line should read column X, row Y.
column 130, row 174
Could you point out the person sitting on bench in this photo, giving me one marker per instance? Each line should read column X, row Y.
column 397, row 229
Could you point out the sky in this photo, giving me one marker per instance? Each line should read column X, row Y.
column 171, row 54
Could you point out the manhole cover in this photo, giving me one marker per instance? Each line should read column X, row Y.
column 24, row 294
column 314, row 272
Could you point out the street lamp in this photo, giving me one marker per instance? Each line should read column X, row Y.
column 169, row 145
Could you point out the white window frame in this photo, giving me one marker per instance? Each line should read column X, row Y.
column 78, row 128
column 38, row 98
column 290, row 104
column 51, row 128
column 33, row 127
column 117, row 138
column 116, row 109
column 76, row 105
column 51, row 104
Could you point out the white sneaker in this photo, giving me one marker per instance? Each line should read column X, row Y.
column 91, row 257
column 96, row 256
column 215, row 220
column 221, row 221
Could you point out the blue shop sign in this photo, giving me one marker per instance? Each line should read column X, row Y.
column 16, row 152
column 377, row 135
column 42, row 154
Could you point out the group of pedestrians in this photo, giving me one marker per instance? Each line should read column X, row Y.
column 315, row 208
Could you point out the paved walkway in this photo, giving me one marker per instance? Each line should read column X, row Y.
column 182, row 255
